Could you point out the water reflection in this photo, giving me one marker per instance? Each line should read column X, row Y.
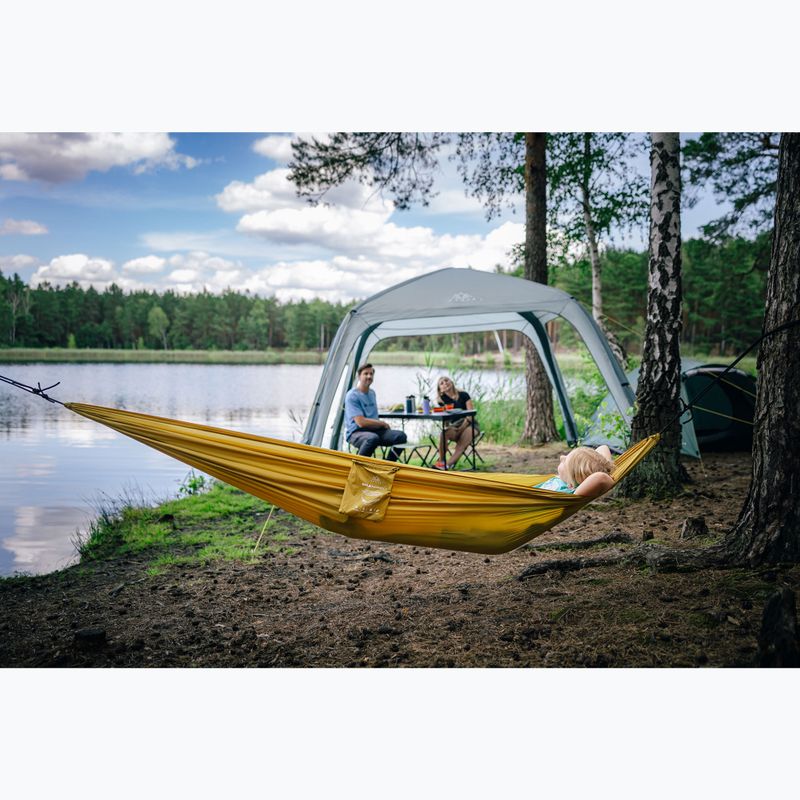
column 38, row 543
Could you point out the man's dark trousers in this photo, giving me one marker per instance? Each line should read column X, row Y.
column 368, row 442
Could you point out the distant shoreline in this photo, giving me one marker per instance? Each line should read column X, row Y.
column 62, row 355
column 569, row 361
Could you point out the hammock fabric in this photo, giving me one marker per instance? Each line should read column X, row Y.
column 364, row 497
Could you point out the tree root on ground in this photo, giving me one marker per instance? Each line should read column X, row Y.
column 660, row 559
column 609, row 538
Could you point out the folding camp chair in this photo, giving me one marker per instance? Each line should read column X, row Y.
column 471, row 454
column 407, row 451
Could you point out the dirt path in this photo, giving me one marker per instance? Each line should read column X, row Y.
column 340, row 602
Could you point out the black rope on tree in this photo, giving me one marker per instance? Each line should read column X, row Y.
column 37, row 390
column 688, row 406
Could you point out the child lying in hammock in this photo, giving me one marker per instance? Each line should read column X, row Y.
column 584, row 468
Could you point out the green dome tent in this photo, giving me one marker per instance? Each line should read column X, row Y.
column 723, row 420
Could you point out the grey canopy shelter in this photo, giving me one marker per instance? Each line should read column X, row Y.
column 457, row 301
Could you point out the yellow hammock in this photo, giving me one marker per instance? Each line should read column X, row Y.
column 364, row 497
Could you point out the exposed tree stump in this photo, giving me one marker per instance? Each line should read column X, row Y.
column 694, row 527
column 777, row 643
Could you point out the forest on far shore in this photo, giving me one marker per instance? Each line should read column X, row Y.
column 723, row 290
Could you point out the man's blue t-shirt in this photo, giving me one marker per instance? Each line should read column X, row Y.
column 358, row 404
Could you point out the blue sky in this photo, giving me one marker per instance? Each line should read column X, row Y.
column 214, row 210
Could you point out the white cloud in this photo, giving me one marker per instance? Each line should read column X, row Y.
column 203, row 262
column 11, row 264
column 198, row 271
column 59, row 157
column 486, row 252
column 97, row 272
column 278, row 148
column 333, row 280
column 11, row 172
column 332, row 227
column 393, row 255
column 23, row 227
column 356, row 223
column 273, row 191
column 146, row 265
column 184, row 275
column 352, row 213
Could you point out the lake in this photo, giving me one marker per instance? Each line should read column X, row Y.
column 57, row 467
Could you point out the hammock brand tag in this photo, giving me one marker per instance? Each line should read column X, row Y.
column 367, row 491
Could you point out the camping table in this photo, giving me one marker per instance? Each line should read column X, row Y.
column 439, row 416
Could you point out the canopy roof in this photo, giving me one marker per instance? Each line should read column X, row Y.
column 455, row 301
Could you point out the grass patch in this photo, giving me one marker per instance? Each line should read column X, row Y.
column 221, row 500
column 219, row 524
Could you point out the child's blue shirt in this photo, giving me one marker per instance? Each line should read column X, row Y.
column 555, row 484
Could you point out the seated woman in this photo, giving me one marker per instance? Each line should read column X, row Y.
column 460, row 432
column 583, row 472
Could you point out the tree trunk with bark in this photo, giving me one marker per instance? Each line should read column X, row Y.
column 594, row 254
column 539, row 423
column 768, row 529
column 661, row 474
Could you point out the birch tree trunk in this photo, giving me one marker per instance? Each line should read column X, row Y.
column 539, row 423
column 661, row 474
column 768, row 528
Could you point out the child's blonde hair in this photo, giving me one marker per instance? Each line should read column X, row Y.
column 583, row 462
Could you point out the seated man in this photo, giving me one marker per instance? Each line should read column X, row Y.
column 363, row 428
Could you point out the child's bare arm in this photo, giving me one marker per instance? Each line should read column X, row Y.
column 604, row 451
column 596, row 484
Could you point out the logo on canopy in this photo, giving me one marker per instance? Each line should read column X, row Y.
column 463, row 297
